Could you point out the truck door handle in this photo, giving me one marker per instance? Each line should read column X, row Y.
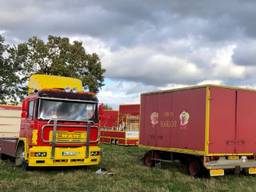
column 240, row 142
column 230, row 142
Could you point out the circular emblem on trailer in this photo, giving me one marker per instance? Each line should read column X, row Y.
column 184, row 118
column 154, row 118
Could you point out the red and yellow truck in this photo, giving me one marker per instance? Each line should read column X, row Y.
column 208, row 128
column 55, row 126
column 120, row 127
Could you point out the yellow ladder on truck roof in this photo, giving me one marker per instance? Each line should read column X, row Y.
column 39, row 82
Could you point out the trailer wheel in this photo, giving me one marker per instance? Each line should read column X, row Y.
column 3, row 156
column 20, row 157
column 149, row 158
column 194, row 167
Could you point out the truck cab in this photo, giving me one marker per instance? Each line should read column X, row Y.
column 59, row 125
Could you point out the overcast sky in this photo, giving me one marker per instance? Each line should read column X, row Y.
column 148, row 44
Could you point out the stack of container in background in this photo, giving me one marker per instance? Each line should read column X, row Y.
column 127, row 130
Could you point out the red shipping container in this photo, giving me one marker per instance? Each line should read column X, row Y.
column 129, row 115
column 109, row 119
column 129, row 109
column 127, row 130
column 203, row 120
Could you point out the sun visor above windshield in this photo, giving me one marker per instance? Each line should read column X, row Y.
column 39, row 82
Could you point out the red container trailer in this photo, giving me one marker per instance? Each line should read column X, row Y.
column 205, row 127
column 127, row 130
column 129, row 109
column 109, row 119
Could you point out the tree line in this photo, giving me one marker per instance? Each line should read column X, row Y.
column 56, row 56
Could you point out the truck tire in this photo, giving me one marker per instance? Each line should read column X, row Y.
column 149, row 158
column 20, row 158
column 194, row 167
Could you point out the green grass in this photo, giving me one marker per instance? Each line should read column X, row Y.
column 129, row 174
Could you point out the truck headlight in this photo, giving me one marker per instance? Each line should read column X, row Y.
column 95, row 153
column 38, row 154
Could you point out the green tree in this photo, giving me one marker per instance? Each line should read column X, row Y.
column 58, row 56
column 10, row 84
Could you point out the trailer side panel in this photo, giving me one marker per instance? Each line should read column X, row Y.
column 109, row 119
column 174, row 120
column 9, row 121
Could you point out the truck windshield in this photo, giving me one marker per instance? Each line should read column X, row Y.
column 66, row 110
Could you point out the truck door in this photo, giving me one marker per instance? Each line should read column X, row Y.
column 246, row 122
column 28, row 122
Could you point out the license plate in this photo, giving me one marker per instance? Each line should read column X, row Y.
column 252, row 170
column 65, row 136
column 217, row 172
column 70, row 153
column 233, row 157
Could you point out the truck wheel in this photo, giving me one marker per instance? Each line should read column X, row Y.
column 20, row 157
column 194, row 167
column 149, row 158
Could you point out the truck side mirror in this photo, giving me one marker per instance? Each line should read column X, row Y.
column 24, row 114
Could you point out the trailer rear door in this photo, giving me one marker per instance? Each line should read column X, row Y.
column 246, row 122
column 222, row 120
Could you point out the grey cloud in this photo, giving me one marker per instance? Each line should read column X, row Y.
column 245, row 53
column 216, row 20
column 130, row 87
column 147, row 66
column 160, row 67
column 154, row 42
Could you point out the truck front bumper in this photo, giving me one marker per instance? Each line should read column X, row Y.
column 63, row 156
